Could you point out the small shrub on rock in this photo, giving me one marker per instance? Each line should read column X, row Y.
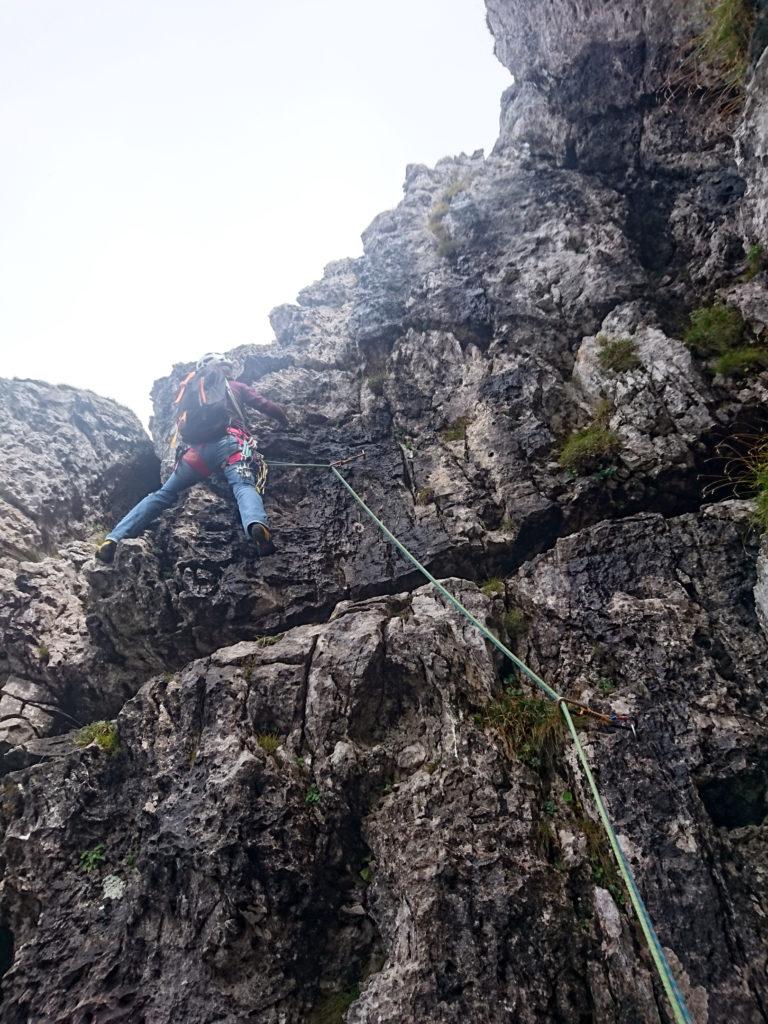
column 446, row 244
column 436, row 215
column 268, row 640
column 455, row 187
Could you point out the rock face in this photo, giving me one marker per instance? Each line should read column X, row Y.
column 330, row 800
column 72, row 462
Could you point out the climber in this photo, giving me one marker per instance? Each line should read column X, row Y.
column 213, row 428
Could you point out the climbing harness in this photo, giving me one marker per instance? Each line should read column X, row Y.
column 677, row 1002
column 249, row 462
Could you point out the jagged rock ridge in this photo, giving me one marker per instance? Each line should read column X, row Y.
column 324, row 827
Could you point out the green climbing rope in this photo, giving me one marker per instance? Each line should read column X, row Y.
column 674, row 994
column 677, row 1002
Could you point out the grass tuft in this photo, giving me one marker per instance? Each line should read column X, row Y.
column 586, row 449
column 515, row 624
column 457, row 430
column 724, row 43
column 737, row 362
column 446, row 244
column 375, row 382
column 745, row 472
column 103, row 734
column 714, row 329
column 493, row 587
column 718, row 331
column 715, row 64
column 267, row 640
column 756, row 260
column 268, row 741
column 331, row 1007
column 532, row 728
column 602, row 865
column 618, row 356
column 758, row 480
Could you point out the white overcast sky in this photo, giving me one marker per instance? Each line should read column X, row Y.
column 173, row 169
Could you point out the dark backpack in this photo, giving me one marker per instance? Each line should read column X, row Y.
column 205, row 406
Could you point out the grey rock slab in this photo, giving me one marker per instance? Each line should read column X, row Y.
column 71, row 460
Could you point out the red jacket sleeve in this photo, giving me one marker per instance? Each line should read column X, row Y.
column 247, row 395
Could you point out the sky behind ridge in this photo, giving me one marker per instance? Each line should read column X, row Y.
column 171, row 171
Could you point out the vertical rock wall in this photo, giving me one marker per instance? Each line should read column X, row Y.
column 322, row 806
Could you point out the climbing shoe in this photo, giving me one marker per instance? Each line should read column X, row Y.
column 259, row 534
column 105, row 552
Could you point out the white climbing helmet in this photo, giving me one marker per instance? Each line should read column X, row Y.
column 211, row 359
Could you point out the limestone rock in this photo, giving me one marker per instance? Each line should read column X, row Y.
column 316, row 812
column 71, row 461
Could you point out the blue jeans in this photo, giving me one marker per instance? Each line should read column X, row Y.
column 214, row 453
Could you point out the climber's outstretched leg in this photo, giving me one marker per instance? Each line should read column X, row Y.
column 251, row 505
column 148, row 509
